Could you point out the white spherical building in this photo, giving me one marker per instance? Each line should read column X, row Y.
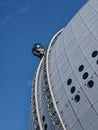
column 65, row 86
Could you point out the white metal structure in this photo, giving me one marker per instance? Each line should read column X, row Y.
column 36, row 95
column 65, row 87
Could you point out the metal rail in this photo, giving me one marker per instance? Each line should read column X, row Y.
column 36, row 95
column 48, row 78
column 54, row 117
column 33, row 106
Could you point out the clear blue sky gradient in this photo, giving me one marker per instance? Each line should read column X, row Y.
column 23, row 23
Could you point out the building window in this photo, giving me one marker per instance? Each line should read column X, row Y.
column 69, row 81
column 43, row 118
column 81, row 67
column 90, row 83
column 72, row 90
column 45, row 127
column 77, row 98
column 95, row 53
column 85, row 75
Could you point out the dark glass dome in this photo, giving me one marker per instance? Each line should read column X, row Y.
column 37, row 45
column 38, row 50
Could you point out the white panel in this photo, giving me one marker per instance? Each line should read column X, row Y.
column 64, row 68
column 63, row 107
column 62, row 102
column 59, row 93
column 95, row 32
column 71, row 47
column 92, row 24
column 55, row 78
column 76, row 57
column 82, row 106
column 60, row 51
column 92, row 93
column 52, row 68
column 77, row 126
column 91, row 47
column 82, row 34
column 61, row 60
column 87, row 12
column 56, row 82
column 89, row 41
column 94, row 4
column 78, row 61
column 71, row 120
column 94, row 125
column 65, row 73
column 77, row 24
column 89, row 117
column 52, row 53
column 67, row 110
column 74, row 51
column 96, row 106
column 53, row 71
column 56, row 87
column 67, row 35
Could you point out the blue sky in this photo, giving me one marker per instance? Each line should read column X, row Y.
column 23, row 23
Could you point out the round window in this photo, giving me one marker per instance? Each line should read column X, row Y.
column 43, row 118
column 72, row 90
column 69, row 81
column 81, row 67
column 95, row 53
column 85, row 75
column 77, row 98
column 90, row 83
column 45, row 126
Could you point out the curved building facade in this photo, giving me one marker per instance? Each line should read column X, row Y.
column 65, row 86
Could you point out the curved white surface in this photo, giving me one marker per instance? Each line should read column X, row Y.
column 76, row 46
column 72, row 71
column 36, row 95
column 49, row 83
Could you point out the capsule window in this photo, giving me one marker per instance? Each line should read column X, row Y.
column 72, row 90
column 77, row 98
column 81, row 67
column 85, row 75
column 95, row 53
column 69, row 81
column 43, row 118
column 90, row 84
column 45, row 126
